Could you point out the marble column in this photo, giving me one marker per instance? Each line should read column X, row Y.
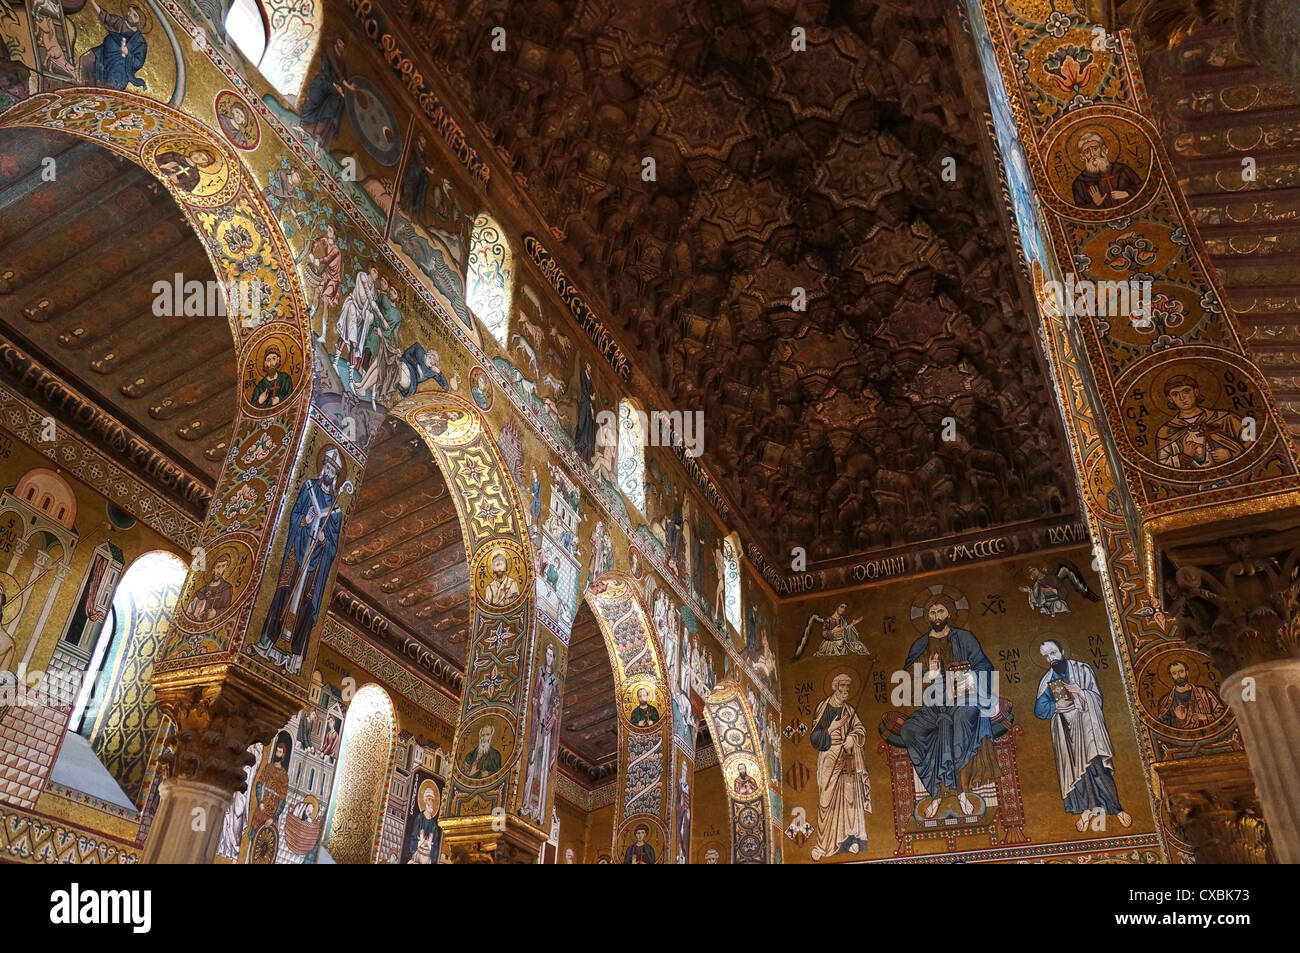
column 187, row 825
column 1266, row 700
column 215, row 723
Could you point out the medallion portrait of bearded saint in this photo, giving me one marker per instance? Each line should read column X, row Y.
column 1103, row 183
column 950, row 737
column 502, row 589
column 274, row 385
column 843, row 784
column 484, row 760
column 1187, row 705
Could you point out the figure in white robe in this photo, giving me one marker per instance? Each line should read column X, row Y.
column 843, row 785
column 360, row 308
column 1069, row 695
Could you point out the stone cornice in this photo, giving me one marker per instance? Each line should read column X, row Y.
column 67, row 406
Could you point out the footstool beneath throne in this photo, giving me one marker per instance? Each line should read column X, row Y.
column 1002, row 814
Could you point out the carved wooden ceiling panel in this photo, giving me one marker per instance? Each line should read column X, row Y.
column 589, row 719
column 1233, row 133
column 79, row 256
column 402, row 549
column 779, row 169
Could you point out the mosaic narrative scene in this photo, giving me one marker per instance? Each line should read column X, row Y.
column 681, row 432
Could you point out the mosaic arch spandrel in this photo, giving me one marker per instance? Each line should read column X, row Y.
column 1031, row 59
column 744, row 772
column 264, row 306
column 502, row 592
column 1114, row 211
column 645, row 794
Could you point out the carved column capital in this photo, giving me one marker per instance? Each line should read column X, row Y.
column 491, row 839
column 1212, row 803
column 215, row 723
column 1239, row 602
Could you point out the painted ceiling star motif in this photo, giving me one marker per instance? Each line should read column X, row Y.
column 863, row 170
column 778, row 168
column 822, row 80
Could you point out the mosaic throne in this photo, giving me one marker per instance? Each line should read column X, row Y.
column 1002, row 819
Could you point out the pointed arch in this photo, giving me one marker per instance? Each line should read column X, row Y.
column 647, row 757
column 489, row 281
column 740, row 752
column 502, row 596
column 246, row 246
column 361, row 783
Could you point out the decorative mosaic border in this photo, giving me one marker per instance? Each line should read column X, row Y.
column 31, row 838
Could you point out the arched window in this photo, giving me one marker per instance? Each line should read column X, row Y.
column 731, row 580
column 356, row 809
column 490, row 278
column 121, row 719
column 245, row 27
column 280, row 39
column 631, row 453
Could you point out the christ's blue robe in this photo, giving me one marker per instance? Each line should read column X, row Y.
column 942, row 739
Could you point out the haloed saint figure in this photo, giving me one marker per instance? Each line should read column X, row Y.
column 313, row 542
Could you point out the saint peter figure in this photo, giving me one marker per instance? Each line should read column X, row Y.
column 843, row 784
